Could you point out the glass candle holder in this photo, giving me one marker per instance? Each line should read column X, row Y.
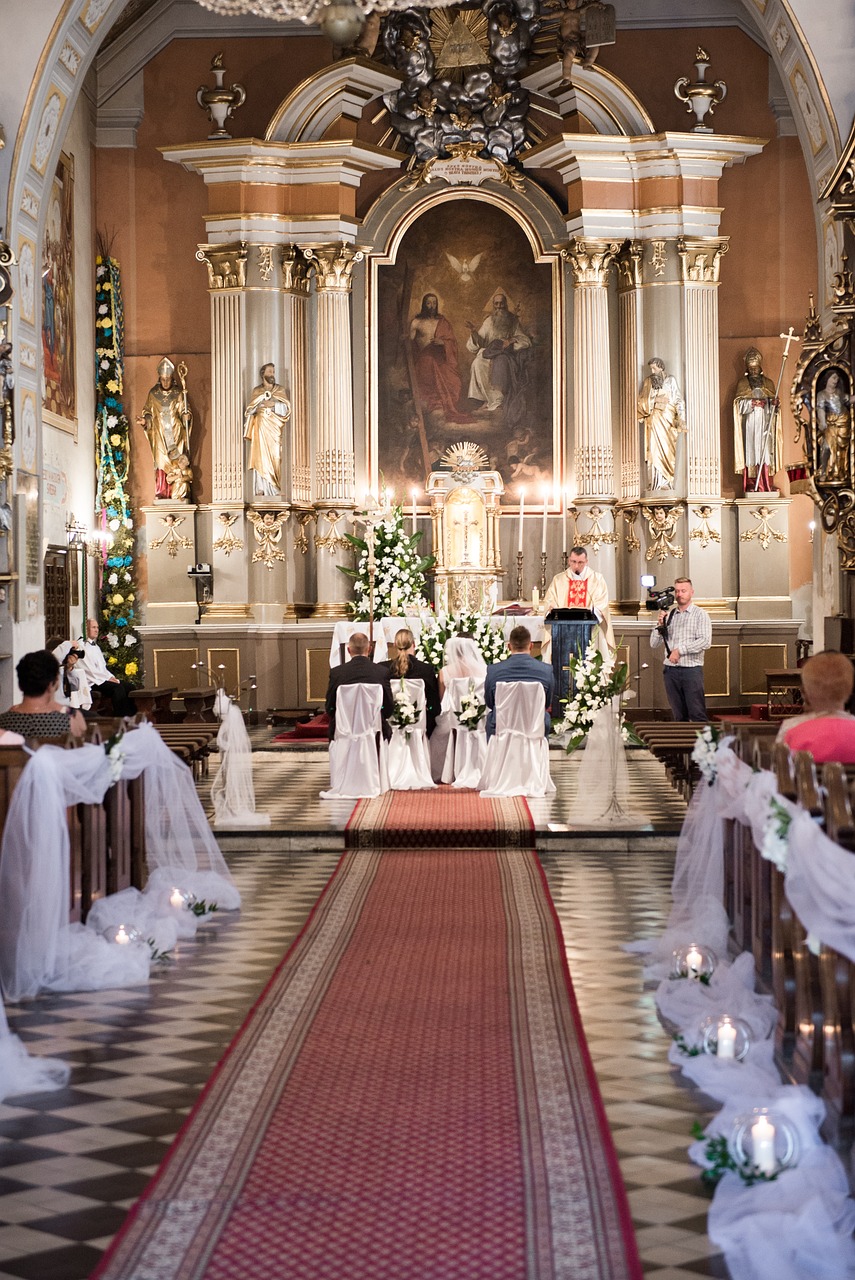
column 764, row 1140
column 695, row 962
column 122, row 934
column 725, row 1037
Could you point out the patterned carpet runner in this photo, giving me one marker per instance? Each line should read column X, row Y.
column 410, row 1099
column 447, row 818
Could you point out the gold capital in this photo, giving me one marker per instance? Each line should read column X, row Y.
column 333, row 265
column 226, row 264
column 700, row 260
column 629, row 265
column 295, row 270
column 590, row 259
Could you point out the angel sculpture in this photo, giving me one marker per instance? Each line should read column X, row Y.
column 662, row 522
column 465, row 269
column 268, row 535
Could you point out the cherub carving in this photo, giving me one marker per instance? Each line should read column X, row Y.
column 268, row 534
column 662, row 522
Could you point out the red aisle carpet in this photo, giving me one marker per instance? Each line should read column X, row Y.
column 411, row 1098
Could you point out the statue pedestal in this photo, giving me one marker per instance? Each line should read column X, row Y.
column 170, row 529
column 223, row 534
column 764, row 560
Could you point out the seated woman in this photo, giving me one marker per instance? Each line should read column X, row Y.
column 826, row 730
column 406, row 666
column 38, row 714
column 462, row 658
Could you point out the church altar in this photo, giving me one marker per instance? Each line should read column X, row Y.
column 386, row 628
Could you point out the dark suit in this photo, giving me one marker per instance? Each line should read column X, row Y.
column 519, row 666
column 417, row 670
column 360, row 670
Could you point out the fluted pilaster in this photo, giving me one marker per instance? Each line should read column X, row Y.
column 295, row 281
column 591, row 261
column 700, row 262
column 629, row 307
column 226, row 283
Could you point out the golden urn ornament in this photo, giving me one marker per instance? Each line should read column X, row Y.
column 700, row 97
column 220, row 102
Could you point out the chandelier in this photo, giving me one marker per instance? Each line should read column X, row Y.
column 340, row 20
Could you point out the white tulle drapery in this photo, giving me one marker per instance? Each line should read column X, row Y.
column 38, row 947
column 602, row 795
column 798, row 1226
column 232, row 791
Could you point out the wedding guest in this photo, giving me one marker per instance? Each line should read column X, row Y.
column 826, row 730
column 39, row 714
column 98, row 675
column 520, row 665
column 361, row 669
column 462, row 659
column 406, row 666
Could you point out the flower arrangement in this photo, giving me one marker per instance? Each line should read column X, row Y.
column 776, row 834
column 705, row 752
column 118, row 607
column 437, row 632
column 398, row 567
column 594, row 680
column 472, row 709
column 405, row 714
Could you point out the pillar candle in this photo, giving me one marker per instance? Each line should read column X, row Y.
column 414, row 509
column 763, row 1141
column 694, row 959
column 564, row 523
column 726, row 1041
column 522, row 514
column 545, row 513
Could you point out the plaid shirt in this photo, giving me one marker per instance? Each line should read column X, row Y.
column 690, row 631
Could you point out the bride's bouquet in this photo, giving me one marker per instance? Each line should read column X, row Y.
column 472, row 710
column 405, row 715
column 595, row 680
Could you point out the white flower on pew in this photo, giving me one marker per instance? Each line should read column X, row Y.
column 115, row 756
column 813, row 944
column 776, row 834
column 406, row 713
column 705, row 751
column 472, row 709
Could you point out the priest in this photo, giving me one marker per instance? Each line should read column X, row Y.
column 580, row 587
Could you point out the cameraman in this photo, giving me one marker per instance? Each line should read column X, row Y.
column 686, row 632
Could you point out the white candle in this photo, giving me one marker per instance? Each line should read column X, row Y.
column 726, row 1041
column 694, row 960
column 413, row 495
column 176, row 898
column 121, row 936
column 522, row 514
column 535, row 598
column 393, row 600
column 545, row 513
column 763, row 1141
column 564, row 523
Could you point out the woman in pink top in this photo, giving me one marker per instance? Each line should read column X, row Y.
column 827, row 730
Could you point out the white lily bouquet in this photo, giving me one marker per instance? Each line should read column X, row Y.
column 595, row 680
column 705, row 751
column 472, row 709
column 405, row 716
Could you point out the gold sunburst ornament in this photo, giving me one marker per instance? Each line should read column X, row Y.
column 464, row 459
column 458, row 40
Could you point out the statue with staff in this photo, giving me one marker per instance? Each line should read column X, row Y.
column 758, row 436
column 167, row 421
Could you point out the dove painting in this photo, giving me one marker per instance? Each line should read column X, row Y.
column 465, row 269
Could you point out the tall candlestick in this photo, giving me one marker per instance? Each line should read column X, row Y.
column 763, row 1142
column 415, row 491
column 522, row 514
column 564, row 527
column 545, row 513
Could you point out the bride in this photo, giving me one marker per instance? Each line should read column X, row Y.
column 462, row 659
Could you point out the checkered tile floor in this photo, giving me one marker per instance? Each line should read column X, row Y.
column 73, row 1162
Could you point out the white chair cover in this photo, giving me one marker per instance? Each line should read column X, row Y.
column 464, row 761
column 232, row 791
column 358, row 765
column 517, row 762
column 409, row 760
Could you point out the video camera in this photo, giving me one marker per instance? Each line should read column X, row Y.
column 657, row 601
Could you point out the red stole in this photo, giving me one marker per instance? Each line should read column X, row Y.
column 577, row 593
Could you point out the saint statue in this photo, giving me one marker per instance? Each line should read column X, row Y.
column 267, row 412
column 758, row 439
column 833, row 428
column 662, row 414
column 167, row 421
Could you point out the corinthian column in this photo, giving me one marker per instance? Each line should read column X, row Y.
column 629, row 271
column 334, row 461
column 595, row 465
column 700, row 262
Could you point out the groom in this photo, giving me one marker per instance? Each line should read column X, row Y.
column 519, row 666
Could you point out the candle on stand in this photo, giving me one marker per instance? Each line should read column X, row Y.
column 725, row 1045
column 545, row 513
column 694, row 960
column 763, row 1142
column 414, row 492
column 522, row 514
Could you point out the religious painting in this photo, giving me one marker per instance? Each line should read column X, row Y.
column 831, row 428
column 58, row 338
column 464, row 350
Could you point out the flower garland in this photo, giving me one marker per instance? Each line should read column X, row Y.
column 594, row 680
column 437, row 632
column 112, row 462
column 398, row 569
column 705, row 752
